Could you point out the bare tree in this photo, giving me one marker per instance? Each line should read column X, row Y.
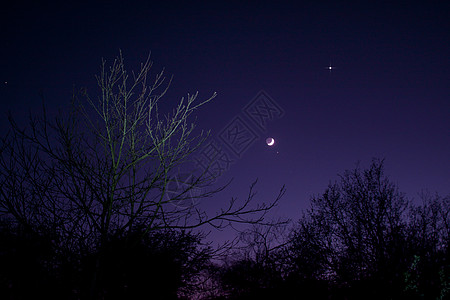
column 260, row 242
column 103, row 168
column 354, row 235
column 430, row 223
column 428, row 270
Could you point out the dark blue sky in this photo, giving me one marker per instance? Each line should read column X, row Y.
column 389, row 96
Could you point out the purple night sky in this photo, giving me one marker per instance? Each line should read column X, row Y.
column 387, row 97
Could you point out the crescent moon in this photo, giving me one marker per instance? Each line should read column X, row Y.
column 270, row 141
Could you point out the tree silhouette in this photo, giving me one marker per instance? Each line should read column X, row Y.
column 353, row 229
column 362, row 234
column 101, row 170
column 429, row 269
column 28, row 260
column 360, row 239
column 254, row 270
column 154, row 267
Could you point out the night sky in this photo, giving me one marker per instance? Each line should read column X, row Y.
column 387, row 95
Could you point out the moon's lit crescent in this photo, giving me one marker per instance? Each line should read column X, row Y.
column 270, row 141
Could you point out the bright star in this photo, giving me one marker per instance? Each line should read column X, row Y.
column 330, row 68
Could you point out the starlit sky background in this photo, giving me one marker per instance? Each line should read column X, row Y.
column 387, row 96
